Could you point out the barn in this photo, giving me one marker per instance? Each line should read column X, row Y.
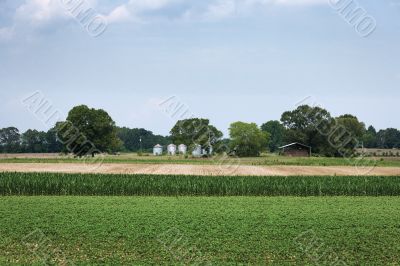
column 296, row 150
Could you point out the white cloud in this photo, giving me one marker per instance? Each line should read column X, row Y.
column 143, row 5
column 220, row 10
column 131, row 11
column 39, row 11
column 208, row 10
column 34, row 13
column 285, row 2
column 119, row 14
column 44, row 11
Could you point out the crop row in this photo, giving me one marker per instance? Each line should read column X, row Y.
column 160, row 185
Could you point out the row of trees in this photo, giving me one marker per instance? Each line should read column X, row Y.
column 327, row 135
column 11, row 141
column 90, row 131
column 85, row 130
column 313, row 126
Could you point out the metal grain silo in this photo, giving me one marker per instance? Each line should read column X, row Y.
column 171, row 149
column 197, row 152
column 182, row 149
column 157, row 150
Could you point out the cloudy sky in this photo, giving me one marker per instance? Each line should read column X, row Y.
column 226, row 60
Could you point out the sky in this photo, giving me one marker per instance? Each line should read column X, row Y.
column 225, row 60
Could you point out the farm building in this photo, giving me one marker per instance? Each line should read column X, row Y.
column 157, row 150
column 171, row 149
column 197, row 151
column 182, row 149
column 296, row 149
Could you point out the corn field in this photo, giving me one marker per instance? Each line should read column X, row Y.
column 178, row 185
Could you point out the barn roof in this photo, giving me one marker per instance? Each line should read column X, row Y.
column 295, row 143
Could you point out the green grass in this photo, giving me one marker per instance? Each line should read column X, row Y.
column 221, row 231
column 159, row 185
column 263, row 160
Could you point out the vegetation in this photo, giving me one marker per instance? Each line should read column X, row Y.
column 96, row 131
column 140, row 139
column 276, row 132
column 9, row 139
column 159, row 185
column 370, row 138
column 33, row 141
column 350, row 132
column 199, row 230
column 261, row 160
column 88, row 131
column 247, row 139
column 330, row 136
column 310, row 126
column 388, row 139
column 196, row 131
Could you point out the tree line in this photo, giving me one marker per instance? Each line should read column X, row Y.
column 85, row 130
column 90, row 131
column 327, row 135
column 312, row 126
column 34, row 141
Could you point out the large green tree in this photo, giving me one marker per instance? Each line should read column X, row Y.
column 88, row 131
column 349, row 133
column 276, row 131
column 10, row 139
column 196, row 131
column 388, row 138
column 247, row 139
column 310, row 126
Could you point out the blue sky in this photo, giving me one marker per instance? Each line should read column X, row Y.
column 226, row 60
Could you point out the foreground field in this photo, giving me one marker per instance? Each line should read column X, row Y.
column 178, row 185
column 266, row 160
column 185, row 169
column 189, row 230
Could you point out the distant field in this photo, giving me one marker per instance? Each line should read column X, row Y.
column 16, row 184
column 32, row 155
column 380, row 152
column 190, row 230
column 149, row 159
column 203, row 170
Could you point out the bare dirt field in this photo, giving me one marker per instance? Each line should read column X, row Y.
column 174, row 169
column 30, row 155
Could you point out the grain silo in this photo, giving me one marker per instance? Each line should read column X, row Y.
column 182, row 149
column 157, row 150
column 197, row 151
column 171, row 149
